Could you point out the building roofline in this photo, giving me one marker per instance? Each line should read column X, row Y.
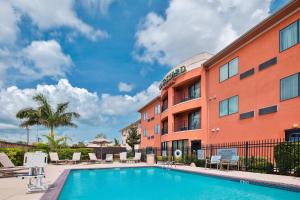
column 150, row 102
column 253, row 32
column 136, row 122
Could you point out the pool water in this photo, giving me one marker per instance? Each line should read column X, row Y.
column 161, row 184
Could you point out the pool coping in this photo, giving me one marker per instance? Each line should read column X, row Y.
column 55, row 189
column 283, row 186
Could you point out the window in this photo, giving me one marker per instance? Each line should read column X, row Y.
column 157, row 129
column 229, row 106
column 289, row 36
column 165, row 104
column 145, row 132
column 289, row 87
column 194, row 90
column 157, row 109
column 145, row 116
column 194, row 120
column 229, row 69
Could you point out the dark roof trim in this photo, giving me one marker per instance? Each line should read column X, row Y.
column 150, row 102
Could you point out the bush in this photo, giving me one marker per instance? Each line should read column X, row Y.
column 297, row 171
column 200, row 163
column 67, row 153
column 287, row 156
column 16, row 155
column 258, row 164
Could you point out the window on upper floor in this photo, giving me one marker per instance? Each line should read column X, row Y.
column 165, row 104
column 157, row 109
column 229, row 69
column 194, row 120
column 157, row 129
column 229, row 106
column 145, row 116
column 145, row 132
column 289, row 87
column 289, row 36
column 194, row 90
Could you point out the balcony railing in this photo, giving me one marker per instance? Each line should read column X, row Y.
column 164, row 131
column 185, row 126
column 182, row 98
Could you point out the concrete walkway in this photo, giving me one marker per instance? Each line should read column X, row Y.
column 15, row 189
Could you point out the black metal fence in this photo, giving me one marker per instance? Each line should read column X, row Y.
column 266, row 156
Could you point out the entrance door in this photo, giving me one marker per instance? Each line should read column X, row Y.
column 292, row 135
column 195, row 145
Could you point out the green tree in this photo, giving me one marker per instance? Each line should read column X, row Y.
column 79, row 145
column 133, row 137
column 117, row 143
column 46, row 116
column 55, row 143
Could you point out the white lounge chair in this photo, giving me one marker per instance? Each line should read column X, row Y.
column 76, row 157
column 109, row 158
column 137, row 157
column 55, row 159
column 93, row 158
column 214, row 160
column 123, row 157
column 234, row 161
column 9, row 169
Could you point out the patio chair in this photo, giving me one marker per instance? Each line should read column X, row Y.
column 214, row 160
column 93, row 158
column 234, row 161
column 55, row 159
column 137, row 157
column 109, row 158
column 9, row 169
column 76, row 157
column 123, row 157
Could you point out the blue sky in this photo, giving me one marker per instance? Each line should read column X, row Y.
column 106, row 56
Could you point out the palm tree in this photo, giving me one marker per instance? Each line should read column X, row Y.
column 46, row 116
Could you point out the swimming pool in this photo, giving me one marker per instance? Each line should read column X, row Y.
column 151, row 183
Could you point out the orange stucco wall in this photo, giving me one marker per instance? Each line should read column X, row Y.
column 260, row 90
column 255, row 92
column 152, row 139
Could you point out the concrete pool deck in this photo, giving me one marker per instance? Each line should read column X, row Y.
column 15, row 189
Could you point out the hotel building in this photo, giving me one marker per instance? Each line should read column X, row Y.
column 247, row 91
column 125, row 132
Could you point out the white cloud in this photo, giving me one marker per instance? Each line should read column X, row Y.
column 8, row 23
column 45, row 58
column 93, row 7
column 193, row 26
column 38, row 60
column 124, row 104
column 125, row 87
column 94, row 109
column 47, row 15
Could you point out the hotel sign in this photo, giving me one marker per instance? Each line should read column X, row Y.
column 171, row 76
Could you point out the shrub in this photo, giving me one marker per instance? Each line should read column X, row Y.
column 67, row 153
column 297, row 171
column 260, row 164
column 200, row 163
column 287, row 156
column 16, row 155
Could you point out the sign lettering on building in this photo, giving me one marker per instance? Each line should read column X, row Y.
column 171, row 76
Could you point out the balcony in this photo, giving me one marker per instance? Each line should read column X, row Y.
column 187, row 92
column 164, row 131
column 187, row 121
column 164, row 104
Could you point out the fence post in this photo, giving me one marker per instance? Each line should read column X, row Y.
column 211, row 149
column 246, row 155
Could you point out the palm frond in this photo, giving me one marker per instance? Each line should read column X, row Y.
column 61, row 108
